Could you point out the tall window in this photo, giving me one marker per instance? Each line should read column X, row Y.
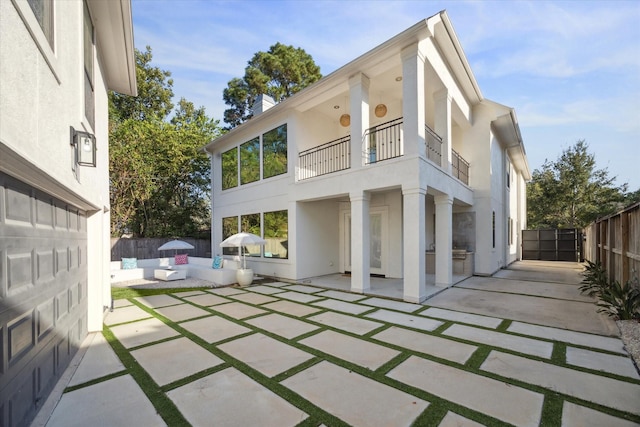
column 276, row 233
column 229, row 228
column 88, row 42
column 251, row 224
column 274, row 147
column 43, row 10
column 250, row 161
column 493, row 227
column 230, row 168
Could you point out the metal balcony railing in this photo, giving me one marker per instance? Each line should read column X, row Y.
column 384, row 141
column 326, row 158
column 459, row 167
column 434, row 145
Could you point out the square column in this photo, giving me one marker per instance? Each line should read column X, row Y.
column 444, row 240
column 413, row 108
column 442, row 123
column 414, row 246
column 360, row 246
column 359, row 108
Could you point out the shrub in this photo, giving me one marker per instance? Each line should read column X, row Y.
column 621, row 301
column 595, row 279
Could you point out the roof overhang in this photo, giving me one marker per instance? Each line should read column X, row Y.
column 507, row 131
column 113, row 23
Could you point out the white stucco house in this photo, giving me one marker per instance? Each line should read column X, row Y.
column 394, row 165
column 57, row 61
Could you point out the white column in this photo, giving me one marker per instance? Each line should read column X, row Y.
column 359, row 108
column 360, row 246
column 413, row 109
column 444, row 232
column 414, row 235
column 442, row 122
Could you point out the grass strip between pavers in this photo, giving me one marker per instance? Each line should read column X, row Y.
column 552, row 407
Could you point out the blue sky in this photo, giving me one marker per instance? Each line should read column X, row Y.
column 571, row 69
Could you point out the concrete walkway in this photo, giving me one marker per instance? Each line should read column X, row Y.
column 297, row 355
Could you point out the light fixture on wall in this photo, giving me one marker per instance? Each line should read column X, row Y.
column 84, row 147
column 381, row 109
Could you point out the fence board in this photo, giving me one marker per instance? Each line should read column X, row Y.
column 147, row 248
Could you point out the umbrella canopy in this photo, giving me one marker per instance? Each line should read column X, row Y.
column 175, row 244
column 242, row 239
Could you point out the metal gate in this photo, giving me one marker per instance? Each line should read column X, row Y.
column 552, row 245
column 43, row 295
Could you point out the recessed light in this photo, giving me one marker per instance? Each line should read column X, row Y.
column 336, row 107
column 399, row 78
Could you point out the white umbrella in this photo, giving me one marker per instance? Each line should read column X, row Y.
column 175, row 245
column 242, row 239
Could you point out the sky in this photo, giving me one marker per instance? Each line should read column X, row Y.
column 570, row 69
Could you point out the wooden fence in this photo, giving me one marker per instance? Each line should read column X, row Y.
column 614, row 241
column 147, row 248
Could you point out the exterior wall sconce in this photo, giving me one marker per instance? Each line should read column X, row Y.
column 84, row 145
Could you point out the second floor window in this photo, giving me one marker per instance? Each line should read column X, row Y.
column 43, row 11
column 88, row 43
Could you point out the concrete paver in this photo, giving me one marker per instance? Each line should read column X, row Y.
column 238, row 310
column 267, row 290
column 172, row 360
column 207, row 300
column 428, row 344
column 608, row 392
column 344, row 296
column 188, row 293
column 527, row 287
column 391, row 304
column 214, row 329
column 264, row 354
column 457, row 316
column 345, row 307
column 454, row 420
column 499, row 339
column 120, row 401
column 292, row 308
column 619, row 365
column 155, row 301
column 508, row 403
column 230, row 398
column 181, row 312
column 126, row 314
column 408, row 320
column 227, row 291
column 282, row 325
column 100, row 361
column 121, row 303
column 354, row 350
column 142, row 332
column 298, row 296
column 358, row 400
column 303, row 288
column 579, row 338
column 253, row 298
column 355, row 325
column 579, row 416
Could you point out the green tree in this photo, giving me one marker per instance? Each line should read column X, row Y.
column 159, row 176
column 280, row 72
column 571, row 192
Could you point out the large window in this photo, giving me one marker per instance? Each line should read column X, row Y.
column 88, row 42
column 250, row 161
column 43, row 11
column 274, row 148
column 230, row 169
column 251, row 224
column 229, row 228
column 276, row 233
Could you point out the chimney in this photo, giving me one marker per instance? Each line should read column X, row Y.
column 262, row 104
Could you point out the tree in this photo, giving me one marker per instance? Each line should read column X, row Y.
column 159, row 176
column 571, row 192
column 280, row 72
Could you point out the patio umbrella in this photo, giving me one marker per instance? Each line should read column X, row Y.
column 242, row 239
column 175, row 245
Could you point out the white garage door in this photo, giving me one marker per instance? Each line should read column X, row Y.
column 43, row 295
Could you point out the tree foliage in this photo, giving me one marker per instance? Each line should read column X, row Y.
column 280, row 72
column 159, row 176
column 571, row 192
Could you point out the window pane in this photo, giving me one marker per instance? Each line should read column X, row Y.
column 250, row 161
column 44, row 15
column 274, row 147
column 276, row 233
column 251, row 224
column 230, row 169
column 229, row 228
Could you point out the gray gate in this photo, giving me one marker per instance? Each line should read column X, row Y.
column 552, row 245
column 43, row 295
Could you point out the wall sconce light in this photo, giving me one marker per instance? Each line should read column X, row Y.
column 84, row 145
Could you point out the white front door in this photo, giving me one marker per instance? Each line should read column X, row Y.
column 377, row 241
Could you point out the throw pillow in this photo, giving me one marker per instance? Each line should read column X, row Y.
column 129, row 263
column 181, row 259
column 217, row 262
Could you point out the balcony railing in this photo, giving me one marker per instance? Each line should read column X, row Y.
column 459, row 167
column 384, row 141
column 327, row 158
column 434, row 145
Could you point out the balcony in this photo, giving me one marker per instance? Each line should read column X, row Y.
column 327, row 158
column 434, row 146
column 459, row 167
column 384, row 141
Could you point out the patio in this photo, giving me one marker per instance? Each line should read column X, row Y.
column 280, row 354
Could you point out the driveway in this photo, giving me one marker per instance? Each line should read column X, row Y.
column 280, row 354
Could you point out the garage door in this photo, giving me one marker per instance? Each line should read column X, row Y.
column 43, row 295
